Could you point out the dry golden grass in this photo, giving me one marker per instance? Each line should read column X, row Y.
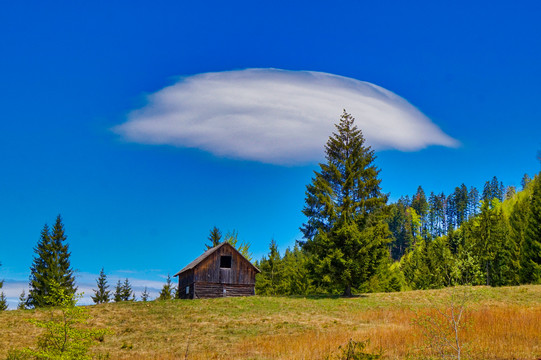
column 505, row 324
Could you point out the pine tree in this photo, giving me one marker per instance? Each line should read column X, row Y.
column 118, row 292
column 490, row 233
column 525, row 181
column 295, row 277
column 518, row 221
column 420, row 204
column 23, row 300
column 493, row 189
column 510, row 191
column 3, row 302
column 345, row 232
column 215, row 238
column 531, row 249
column 145, row 295
column 437, row 214
column 398, row 225
column 461, row 204
column 473, row 202
column 127, row 293
column 50, row 263
column 269, row 279
column 167, row 292
column 101, row 295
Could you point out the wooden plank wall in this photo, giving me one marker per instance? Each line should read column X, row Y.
column 209, row 271
column 185, row 279
column 208, row 280
column 213, row 290
column 182, row 294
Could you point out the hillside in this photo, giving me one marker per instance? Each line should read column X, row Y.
column 504, row 325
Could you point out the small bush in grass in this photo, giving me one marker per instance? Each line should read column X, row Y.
column 63, row 338
column 353, row 350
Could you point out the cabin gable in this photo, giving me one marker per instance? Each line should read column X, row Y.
column 220, row 271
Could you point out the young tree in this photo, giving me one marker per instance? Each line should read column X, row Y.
column 345, row 232
column 101, row 295
column 63, row 337
column 168, row 290
column 127, row 293
column 118, row 292
column 269, row 279
column 23, row 301
column 214, row 238
column 50, row 263
column 3, row 300
column 145, row 295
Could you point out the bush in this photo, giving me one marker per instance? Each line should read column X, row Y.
column 63, row 337
column 354, row 350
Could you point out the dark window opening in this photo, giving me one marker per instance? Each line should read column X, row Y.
column 225, row 262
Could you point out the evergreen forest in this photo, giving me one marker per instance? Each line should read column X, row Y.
column 355, row 242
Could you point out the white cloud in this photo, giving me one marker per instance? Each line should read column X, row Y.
column 276, row 116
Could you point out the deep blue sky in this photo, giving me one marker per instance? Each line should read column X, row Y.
column 72, row 71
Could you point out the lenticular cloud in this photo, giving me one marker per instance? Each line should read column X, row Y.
column 276, row 116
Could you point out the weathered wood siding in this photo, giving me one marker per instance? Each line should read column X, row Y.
column 208, row 280
column 185, row 279
column 214, row 290
column 186, row 292
column 209, row 271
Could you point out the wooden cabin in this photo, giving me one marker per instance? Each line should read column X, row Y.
column 220, row 271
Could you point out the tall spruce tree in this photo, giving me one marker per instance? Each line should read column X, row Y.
column 420, row 204
column 490, row 234
column 460, row 197
column 101, row 295
column 50, row 263
column 473, row 202
column 345, row 233
column 214, row 238
column 531, row 249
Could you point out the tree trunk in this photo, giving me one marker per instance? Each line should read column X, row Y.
column 488, row 275
column 347, row 291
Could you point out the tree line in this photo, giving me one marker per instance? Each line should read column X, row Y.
column 51, row 273
column 353, row 241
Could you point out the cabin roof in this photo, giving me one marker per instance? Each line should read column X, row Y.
column 209, row 252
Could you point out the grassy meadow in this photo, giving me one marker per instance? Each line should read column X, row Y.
column 503, row 323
